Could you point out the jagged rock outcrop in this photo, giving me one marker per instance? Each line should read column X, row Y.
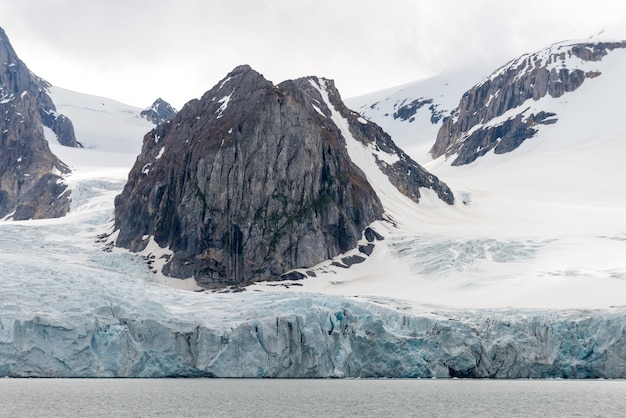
column 245, row 184
column 407, row 111
column 16, row 79
column 48, row 198
column 403, row 172
column 159, row 112
column 253, row 180
column 475, row 126
column 30, row 185
column 29, row 172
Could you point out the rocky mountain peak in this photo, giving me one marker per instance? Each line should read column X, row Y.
column 401, row 170
column 242, row 86
column 477, row 125
column 16, row 80
column 30, row 182
column 159, row 112
column 251, row 181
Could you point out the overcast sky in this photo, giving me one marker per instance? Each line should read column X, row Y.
column 137, row 50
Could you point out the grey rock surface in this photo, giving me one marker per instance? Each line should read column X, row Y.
column 250, row 182
column 254, row 180
column 467, row 134
column 30, row 184
column 16, row 78
column 159, row 112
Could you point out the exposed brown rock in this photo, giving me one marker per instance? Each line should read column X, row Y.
column 30, row 184
column 250, row 182
column 16, row 79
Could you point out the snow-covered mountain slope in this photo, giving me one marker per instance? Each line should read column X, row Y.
column 508, row 107
column 412, row 113
column 538, row 228
column 85, row 321
column 523, row 225
column 569, row 177
column 70, row 309
column 111, row 132
column 541, row 225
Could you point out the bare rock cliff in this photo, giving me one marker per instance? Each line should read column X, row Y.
column 16, row 79
column 30, row 182
column 248, row 183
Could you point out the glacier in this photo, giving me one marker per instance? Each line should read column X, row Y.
column 469, row 291
column 143, row 331
column 74, row 310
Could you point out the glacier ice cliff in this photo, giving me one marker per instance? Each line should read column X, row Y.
column 145, row 333
column 69, row 309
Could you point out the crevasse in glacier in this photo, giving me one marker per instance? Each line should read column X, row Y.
column 143, row 333
column 75, row 310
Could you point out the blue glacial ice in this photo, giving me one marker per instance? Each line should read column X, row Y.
column 69, row 309
column 149, row 331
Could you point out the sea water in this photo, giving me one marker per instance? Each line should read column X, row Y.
column 302, row 398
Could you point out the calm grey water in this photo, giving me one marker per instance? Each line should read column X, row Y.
column 301, row 398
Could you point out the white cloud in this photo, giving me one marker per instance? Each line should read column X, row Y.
column 134, row 51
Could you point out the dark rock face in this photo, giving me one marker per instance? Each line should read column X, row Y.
column 407, row 111
column 159, row 112
column 48, row 198
column 405, row 174
column 468, row 133
column 247, row 183
column 502, row 138
column 28, row 170
column 30, row 185
column 16, row 79
column 62, row 126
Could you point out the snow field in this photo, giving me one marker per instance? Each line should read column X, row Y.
column 525, row 280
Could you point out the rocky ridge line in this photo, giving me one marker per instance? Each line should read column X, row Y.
column 473, row 129
column 159, row 112
column 254, row 180
column 31, row 186
column 16, row 80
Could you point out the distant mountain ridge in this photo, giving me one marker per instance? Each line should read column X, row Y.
column 525, row 278
column 479, row 124
column 254, row 180
column 412, row 114
column 497, row 112
column 159, row 112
